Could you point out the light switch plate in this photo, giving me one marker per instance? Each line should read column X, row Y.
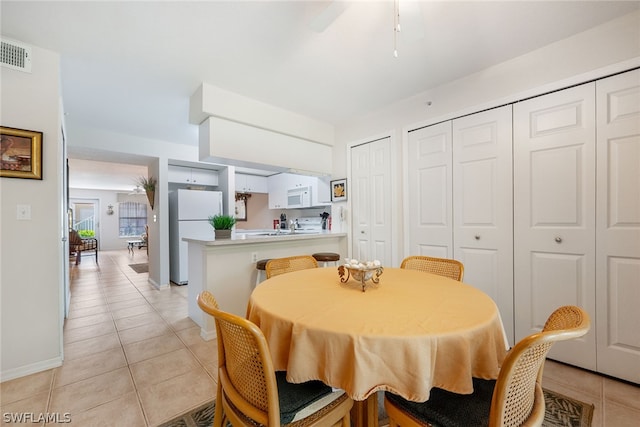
column 24, row 212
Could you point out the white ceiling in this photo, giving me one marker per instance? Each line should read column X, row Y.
column 96, row 175
column 130, row 67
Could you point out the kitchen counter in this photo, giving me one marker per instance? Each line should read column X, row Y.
column 253, row 236
column 227, row 267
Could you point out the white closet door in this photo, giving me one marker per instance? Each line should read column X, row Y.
column 618, row 226
column 482, row 205
column 554, row 220
column 370, row 190
column 429, row 191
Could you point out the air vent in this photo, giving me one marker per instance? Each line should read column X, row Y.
column 15, row 55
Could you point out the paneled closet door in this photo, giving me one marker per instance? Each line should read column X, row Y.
column 429, row 191
column 370, row 206
column 482, row 205
column 554, row 220
column 618, row 226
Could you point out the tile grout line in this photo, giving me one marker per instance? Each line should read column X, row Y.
column 173, row 330
column 126, row 358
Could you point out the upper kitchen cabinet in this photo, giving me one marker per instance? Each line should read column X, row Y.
column 197, row 176
column 280, row 184
column 298, row 181
column 251, row 183
column 277, row 186
column 323, row 194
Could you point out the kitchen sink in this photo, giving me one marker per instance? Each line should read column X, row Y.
column 286, row 233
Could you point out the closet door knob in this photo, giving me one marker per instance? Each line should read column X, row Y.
column 477, row 237
column 558, row 239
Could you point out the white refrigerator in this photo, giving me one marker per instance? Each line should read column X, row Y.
column 189, row 212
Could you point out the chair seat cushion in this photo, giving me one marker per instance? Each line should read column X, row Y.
column 294, row 398
column 447, row 409
column 326, row 256
column 262, row 264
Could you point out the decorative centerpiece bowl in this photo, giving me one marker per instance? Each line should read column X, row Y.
column 361, row 271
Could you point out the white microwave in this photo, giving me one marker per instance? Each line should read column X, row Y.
column 299, row 198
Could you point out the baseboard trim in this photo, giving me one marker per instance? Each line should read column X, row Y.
column 158, row 286
column 208, row 336
column 22, row 371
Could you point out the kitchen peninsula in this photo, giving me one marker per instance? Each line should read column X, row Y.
column 227, row 267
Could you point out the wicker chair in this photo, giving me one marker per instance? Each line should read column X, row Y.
column 251, row 393
column 79, row 246
column 278, row 266
column 450, row 268
column 514, row 399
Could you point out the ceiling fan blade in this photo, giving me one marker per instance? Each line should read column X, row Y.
column 135, row 191
column 325, row 18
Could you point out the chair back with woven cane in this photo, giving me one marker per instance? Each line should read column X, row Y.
column 278, row 266
column 515, row 400
column 450, row 268
column 518, row 396
column 247, row 386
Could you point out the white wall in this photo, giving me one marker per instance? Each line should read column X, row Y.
column 603, row 50
column 31, row 251
column 608, row 48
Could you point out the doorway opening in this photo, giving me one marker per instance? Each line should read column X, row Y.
column 84, row 217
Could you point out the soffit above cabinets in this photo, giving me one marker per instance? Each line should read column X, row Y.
column 211, row 101
column 227, row 142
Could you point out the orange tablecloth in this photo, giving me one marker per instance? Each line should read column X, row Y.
column 409, row 333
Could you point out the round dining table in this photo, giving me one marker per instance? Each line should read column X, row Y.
column 406, row 334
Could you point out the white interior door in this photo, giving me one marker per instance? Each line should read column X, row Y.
column 371, row 210
column 430, row 230
column 618, row 226
column 554, row 220
column 482, row 205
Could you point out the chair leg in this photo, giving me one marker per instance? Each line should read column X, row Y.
column 219, row 418
column 346, row 421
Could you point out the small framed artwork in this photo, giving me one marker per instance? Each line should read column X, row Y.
column 20, row 153
column 241, row 209
column 339, row 190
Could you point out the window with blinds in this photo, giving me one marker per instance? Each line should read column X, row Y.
column 132, row 218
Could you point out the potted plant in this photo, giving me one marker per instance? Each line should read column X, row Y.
column 222, row 225
column 149, row 186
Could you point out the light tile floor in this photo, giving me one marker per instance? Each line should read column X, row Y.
column 132, row 355
column 134, row 358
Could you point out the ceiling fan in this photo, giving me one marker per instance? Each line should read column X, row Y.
column 137, row 190
column 411, row 13
column 330, row 13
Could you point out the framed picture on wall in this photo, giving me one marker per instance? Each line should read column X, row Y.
column 241, row 209
column 339, row 190
column 21, row 153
